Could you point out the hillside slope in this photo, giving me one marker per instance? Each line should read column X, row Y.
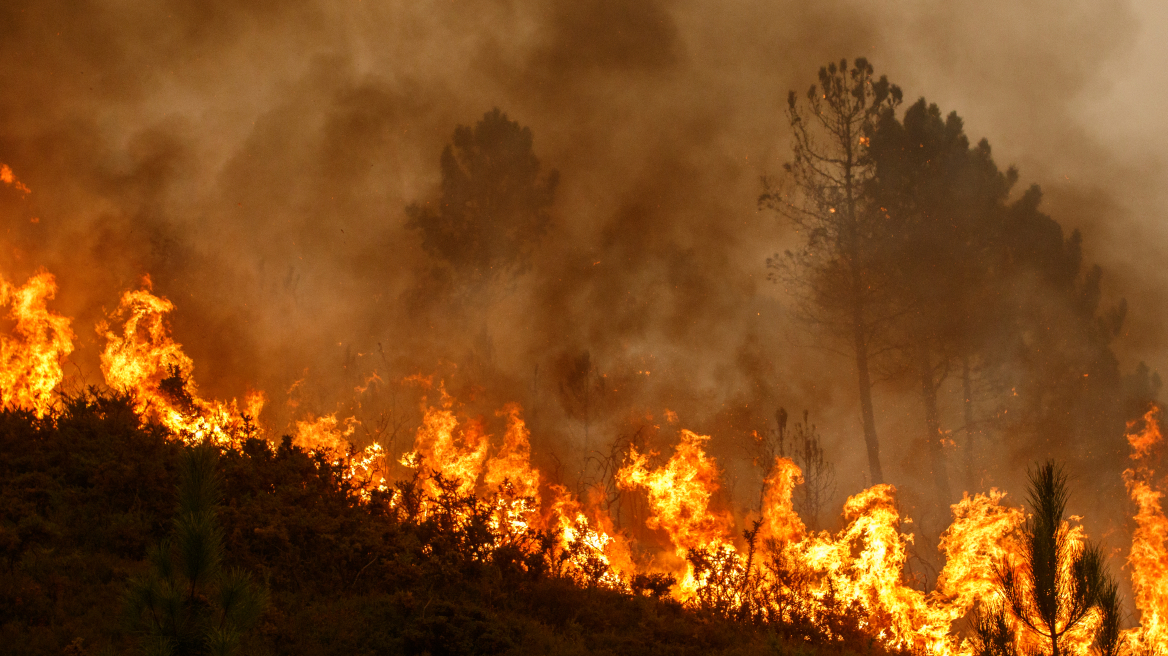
column 85, row 494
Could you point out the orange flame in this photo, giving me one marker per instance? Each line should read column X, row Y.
column 365, row 469
column 782, row 522
column 863, row 566
column 590, row 545
column 984, row 533
column 31, row 358
column 440, row 446
column 588, row 548
column 323, row 434
column 1149, row 551
column 145, row 362
column 513, row 462
column 9, row 178
column 680, row 493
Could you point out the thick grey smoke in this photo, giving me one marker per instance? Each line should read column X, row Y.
column 255, row 158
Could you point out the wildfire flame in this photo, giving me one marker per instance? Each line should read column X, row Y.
column 860, row 569
column 1148, row 559
column 31, row 357
column 513, row 462
column 680, row 493
column 142, row 360
column 325, row 434
column 457, row 454
column 457, row 451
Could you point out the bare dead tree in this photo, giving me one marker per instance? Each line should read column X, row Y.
column 803, row 446
column 818, row 472
column 597, row 482
column 581, row 390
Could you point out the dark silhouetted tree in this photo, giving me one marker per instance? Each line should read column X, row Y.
column 991, row 290
column 806, row 449
column 581, row 389
column 1069, row 387
column 494, row 204
column 943, row 201
column 837, row 274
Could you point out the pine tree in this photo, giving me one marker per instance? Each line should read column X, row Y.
column 837, row 275
column 188, row 604
column 1056, row 584
column 495, row 201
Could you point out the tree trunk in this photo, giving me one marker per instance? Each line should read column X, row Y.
column 866, row 411
column 933, row 425
column 967, row 404
column 860, row 330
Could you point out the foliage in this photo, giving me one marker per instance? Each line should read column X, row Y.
column 1057, row 583
column 942, row 200
column 989, row 287
column 494, row 203
column 994, row 635
column 187, row 603
column 919, row 264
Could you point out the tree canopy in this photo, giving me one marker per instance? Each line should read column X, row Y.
column 494, row 204
column 921, row 265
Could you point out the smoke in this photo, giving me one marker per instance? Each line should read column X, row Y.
column 255, row 158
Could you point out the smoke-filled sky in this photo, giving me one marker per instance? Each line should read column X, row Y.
column 255, row 158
